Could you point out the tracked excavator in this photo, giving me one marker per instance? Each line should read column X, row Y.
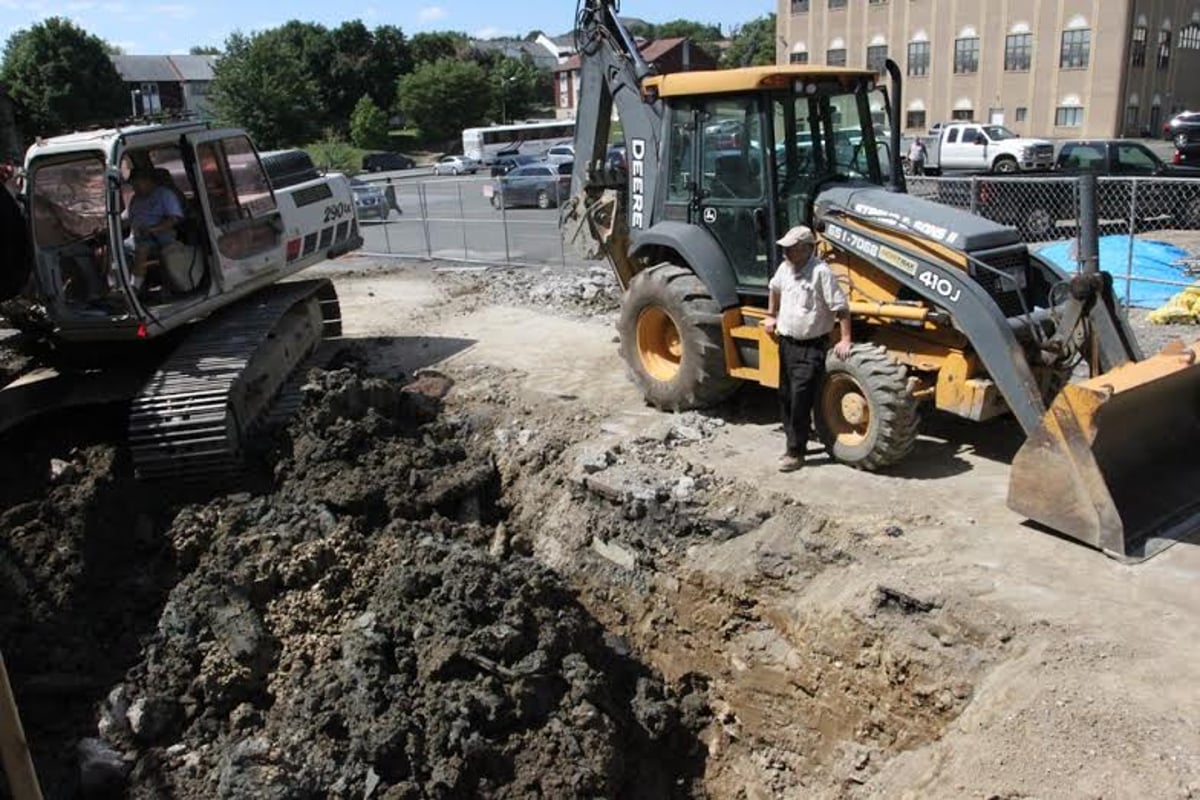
column 950, row 311
column 205, row 353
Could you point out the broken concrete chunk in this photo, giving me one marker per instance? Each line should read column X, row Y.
column 615, row 553
column 593, row 461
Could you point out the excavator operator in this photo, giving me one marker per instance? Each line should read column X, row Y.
column 154, row 212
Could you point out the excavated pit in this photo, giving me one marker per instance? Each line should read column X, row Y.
column 455, row 601
column 347, row 634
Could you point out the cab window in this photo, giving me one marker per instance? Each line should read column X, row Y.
column 681, row 171
column 239, row 195
column 952, row 136
column 732, row 150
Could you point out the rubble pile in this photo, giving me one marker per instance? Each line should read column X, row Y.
column 353, row 634
column 586, row 291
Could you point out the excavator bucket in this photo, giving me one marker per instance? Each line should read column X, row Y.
column 1116, row 460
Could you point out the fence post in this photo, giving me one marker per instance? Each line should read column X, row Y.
column 423, row 201
column 562, row 244
column 1132, row 230
column 504, row 220
column 462, row 218
column 974, row 196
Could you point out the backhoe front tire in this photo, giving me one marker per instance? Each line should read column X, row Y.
column 671, row 340
column 865, row 414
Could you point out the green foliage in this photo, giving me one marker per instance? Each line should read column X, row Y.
column 334, row 154
column 369, row 125
column 698, row 32
column 444, row 97
column 204, row 50
column 753, row 44
column 429, row 48
column 264, row 85
column 289, row 83
column 520, row 88
column 63, row 76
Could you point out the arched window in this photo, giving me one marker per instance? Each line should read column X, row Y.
column 1137, row 50
column 1189, row 37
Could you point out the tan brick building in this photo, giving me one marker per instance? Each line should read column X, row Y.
column 1041, row 67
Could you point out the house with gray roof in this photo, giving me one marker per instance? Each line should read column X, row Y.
column 167, row 84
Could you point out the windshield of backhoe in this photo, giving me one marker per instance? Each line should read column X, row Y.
column 822, row 139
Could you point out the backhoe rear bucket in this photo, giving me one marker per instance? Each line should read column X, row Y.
column 1116, row 460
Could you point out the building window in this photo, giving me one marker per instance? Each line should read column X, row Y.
column 1131, row 120
column 799, row 6
column 799, row 58
column 1137, row 54
column 836, row 57
column 962, row 114
column 1018, row 52
column 876, row 2
column 1068, row 117
column 914, row 119
column 966, row 56
column 876, row 56
column 1022, row 112
column 918, row 58
column 837, row 3
column 1164, row 49
column 1076, row 49
column 1189, row 37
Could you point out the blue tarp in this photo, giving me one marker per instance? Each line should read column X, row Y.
column 1155, row 260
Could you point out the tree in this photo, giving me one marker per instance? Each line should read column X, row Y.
column 428, row 48
column 391, row 57
column 63, row 76
column 264, row 85
column 348, row 77
column 699, row 32
column 368, row 125
column 520, row 88
column 753, row 44
column 444, row 97
column 204, row 50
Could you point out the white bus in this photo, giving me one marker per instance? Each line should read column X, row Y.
column 530, row 138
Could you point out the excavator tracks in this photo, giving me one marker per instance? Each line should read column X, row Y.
column 193, row 416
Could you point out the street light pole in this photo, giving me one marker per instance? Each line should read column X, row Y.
column 133, row 96
column 504, row 82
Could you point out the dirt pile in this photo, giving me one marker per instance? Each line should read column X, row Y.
column 355, row 633
column 13, row 361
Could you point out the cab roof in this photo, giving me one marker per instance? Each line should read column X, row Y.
column 747, row 79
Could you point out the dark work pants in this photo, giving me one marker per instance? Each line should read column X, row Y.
column 801, row 368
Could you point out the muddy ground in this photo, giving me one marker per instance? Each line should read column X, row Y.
column 535, row 585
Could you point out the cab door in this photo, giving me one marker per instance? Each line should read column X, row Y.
column 734, row 204
column 243, row 222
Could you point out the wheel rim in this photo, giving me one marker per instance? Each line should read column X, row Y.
column 846, row 410
column 543, row 200
column 1006, row 166
column 660, row 346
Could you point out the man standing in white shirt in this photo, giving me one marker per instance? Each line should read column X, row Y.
column 805, row 303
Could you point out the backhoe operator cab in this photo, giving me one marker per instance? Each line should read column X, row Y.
column 236, row 234
column 748, row 165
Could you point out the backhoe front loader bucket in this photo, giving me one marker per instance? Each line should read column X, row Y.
column 1116, row 460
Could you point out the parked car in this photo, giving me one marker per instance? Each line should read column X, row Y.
column 506, row 164
column 1181, row 123
column 455, row 165
column 561, row 153
column 985, row 148
column 616, row 157
column 1039, row 206
column 544, row 185
column 386, row 162
column 1187, row 154
column 370, row 201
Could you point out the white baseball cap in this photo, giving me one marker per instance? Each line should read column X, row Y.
column 801, row 234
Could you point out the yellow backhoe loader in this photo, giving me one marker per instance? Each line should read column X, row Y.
column 951, row 311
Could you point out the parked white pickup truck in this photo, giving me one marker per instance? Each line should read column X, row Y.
column 985, row 148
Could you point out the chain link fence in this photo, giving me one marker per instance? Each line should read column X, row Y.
column 474, row 220
column 1046, row 210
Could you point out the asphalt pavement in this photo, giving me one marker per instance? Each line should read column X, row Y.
column 460, row 223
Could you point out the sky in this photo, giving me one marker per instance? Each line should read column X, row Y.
column 155, row 27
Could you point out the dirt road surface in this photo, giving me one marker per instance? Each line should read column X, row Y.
column 829, row 633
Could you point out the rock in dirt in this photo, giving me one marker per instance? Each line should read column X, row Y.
column 889, row 598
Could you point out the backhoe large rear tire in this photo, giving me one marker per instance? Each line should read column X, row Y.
column 866, row 416
column 671, row 340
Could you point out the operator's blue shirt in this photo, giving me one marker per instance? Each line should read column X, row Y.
column 151, row 209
